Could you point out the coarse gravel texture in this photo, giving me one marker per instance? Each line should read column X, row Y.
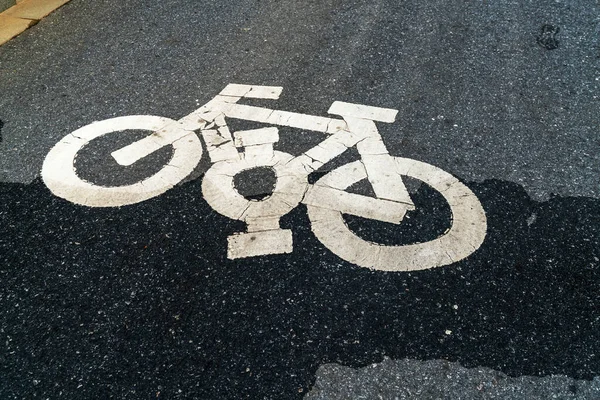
column 127, row 302
column 436, row 379
column 479, row 94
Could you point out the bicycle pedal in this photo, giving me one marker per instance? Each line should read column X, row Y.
column 277, row 241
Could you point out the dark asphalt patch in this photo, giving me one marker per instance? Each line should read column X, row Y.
column 94, row 162
column 141, row 302
column 255, row 183
column 547, row 38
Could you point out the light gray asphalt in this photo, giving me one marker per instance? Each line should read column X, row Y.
column 413, row 379
column 4, row 4
column 478, row 96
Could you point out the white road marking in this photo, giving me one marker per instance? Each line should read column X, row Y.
column 259, row 151
column 252, row 91
column 326, row 200
column 328, row 149
column 225, row 153
column 300, row 121
column 164, row 135
column 235, row 90
column 262, row 224
column 381, row 168
column 213, row 138
column 264, row 92
column 157, row 140
column 60, row 177
column 384, row 178
column 256, row 136
column 363, row 112
column 254, row 244
column 350, row 203
column 219, row 191
column 466, row 234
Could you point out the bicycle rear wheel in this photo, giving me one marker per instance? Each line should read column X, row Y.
column 60, row 176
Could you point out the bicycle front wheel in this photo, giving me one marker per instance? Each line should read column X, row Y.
column 60, row 176
column 466, row 234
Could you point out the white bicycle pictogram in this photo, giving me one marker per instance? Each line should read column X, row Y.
column 327, row 199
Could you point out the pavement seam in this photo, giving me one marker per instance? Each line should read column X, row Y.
column 24, row 14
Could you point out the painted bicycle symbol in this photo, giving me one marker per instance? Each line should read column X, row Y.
column 326, row 200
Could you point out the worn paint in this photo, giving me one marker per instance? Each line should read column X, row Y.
column 327, row 200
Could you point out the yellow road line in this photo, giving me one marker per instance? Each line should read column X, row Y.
column 24, row 14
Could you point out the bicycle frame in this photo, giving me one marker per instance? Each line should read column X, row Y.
column 357, row 128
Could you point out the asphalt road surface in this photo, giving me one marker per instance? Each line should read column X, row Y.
column 142, row 301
